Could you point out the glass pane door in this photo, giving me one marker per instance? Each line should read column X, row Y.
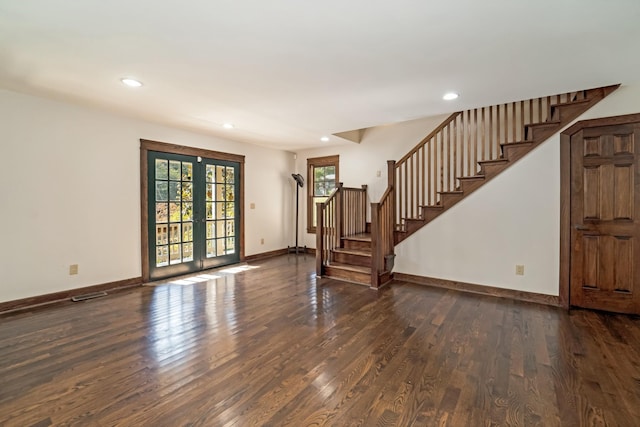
column 221, row 213
column 193, row 215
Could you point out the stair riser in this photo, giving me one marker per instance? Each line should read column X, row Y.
column 470, row 185
column 361, row 260
column 512, row 152
column 540, row 133
column 491, row 170
column 449, row 200
column 357, row 244
column 351, row 276
column 565, row 112
column 429, row 214
column 413, row 225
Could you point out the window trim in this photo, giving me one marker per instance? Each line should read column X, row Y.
column 313, row 162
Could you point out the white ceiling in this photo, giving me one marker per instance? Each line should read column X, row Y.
column 286, row 72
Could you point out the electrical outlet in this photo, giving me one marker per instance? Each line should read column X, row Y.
column 378, row 174
column 519, row 270
column 262, row 241
column 73, row 269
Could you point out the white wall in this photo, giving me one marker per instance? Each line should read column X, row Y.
column 514, row 219
column 70, row 185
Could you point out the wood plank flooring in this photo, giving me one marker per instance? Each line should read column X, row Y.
column 273, row 346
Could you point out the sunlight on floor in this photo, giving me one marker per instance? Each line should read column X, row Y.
column 190, row 280
column 239, row 269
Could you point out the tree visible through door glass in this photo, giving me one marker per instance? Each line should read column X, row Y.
column 174, row 212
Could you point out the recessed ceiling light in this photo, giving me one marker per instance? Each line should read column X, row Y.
column 324, row 139
column 227, row 126
column 450, row 96
column 131, row 82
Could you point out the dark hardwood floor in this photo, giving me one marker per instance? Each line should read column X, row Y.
column 273, row 346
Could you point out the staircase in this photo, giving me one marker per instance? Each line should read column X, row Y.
column 463, row 153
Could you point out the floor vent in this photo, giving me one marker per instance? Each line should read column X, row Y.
column 88, row 296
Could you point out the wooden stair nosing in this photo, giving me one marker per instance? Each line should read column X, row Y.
column 550, row 123
column 362, row 237
column 349, row 273
column 357, row 252
column 523, row 143
column 349, row 267
column 499, row 160
column 471, row 178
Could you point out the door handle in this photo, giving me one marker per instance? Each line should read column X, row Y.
column 581, row 227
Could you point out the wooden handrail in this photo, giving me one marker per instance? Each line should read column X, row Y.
column 431, row 135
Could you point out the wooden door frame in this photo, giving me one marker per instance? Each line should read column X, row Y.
column 565, row 195
column 163, row 147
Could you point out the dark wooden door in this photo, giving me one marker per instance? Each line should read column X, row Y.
column 605, row 204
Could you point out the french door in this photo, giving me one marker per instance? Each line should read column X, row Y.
column 193, row 213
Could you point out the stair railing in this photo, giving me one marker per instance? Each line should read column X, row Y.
column 455, row 147
column 344, row 213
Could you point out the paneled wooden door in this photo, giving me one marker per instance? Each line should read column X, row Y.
column 605, row 204
column 193, row 214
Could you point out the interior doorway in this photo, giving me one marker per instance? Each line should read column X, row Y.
column 600, row 232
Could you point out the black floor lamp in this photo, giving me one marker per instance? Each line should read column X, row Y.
column 299, row 184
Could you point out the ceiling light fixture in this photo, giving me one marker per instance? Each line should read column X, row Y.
column 131, row 82
column 450, row 96
column 228, row 126
column 324, row 139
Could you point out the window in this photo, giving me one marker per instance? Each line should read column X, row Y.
column 322, row 178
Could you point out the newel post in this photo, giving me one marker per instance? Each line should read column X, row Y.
column 319, row 239
column 339, row 215
column 364, row 209
column 375, row 244
column 391, row 179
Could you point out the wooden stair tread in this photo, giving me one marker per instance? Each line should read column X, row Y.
column 432, row 207
column 545, row 124
column 362, row 237
column 451, row 192
column 349, row 267
column 471, row 178
column 525, row 143
column 493, row 161
column 359, row 252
